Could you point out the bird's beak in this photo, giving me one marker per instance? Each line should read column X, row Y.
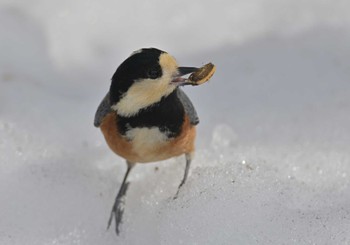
column 182, row 71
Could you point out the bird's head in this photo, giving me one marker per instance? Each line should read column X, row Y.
column 143, row 79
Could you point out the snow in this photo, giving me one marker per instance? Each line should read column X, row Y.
column 273, row 154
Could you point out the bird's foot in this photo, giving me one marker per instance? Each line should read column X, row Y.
column 178, row 190
column 118, row 209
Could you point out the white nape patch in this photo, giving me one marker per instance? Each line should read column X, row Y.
column 146, row 92
column 146, row 140
column 136, row 52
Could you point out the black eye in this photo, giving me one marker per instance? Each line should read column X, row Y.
column 155, row 72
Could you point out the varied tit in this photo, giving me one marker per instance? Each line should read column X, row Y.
column 145, row 116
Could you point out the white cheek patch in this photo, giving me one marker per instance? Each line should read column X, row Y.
column 146, row 92
column 143, row 94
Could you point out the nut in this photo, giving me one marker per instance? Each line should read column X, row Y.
column 203, row 74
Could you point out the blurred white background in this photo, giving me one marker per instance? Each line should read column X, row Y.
column 273, row 160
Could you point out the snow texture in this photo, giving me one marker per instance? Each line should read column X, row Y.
column 273, row 153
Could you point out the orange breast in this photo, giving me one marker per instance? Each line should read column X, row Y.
column 154, row 151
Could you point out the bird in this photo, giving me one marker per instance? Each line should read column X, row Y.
column 146, row 117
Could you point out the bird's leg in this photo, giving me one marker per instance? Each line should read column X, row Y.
column 118, row 206
column 188, row 163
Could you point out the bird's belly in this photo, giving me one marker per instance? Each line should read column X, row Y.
column 142, row 145
column 146, row 142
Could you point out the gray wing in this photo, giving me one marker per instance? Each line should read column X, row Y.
column 103, row 109
column 189, row 108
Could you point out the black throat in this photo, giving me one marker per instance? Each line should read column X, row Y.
column 167, row 115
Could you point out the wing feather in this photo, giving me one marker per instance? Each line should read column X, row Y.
column 189, row 108
column 103, row 109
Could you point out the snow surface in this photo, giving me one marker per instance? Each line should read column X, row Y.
column 273, row 158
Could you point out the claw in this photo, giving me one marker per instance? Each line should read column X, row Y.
column 119, row 203
column 118, row 208
column 188, row 163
